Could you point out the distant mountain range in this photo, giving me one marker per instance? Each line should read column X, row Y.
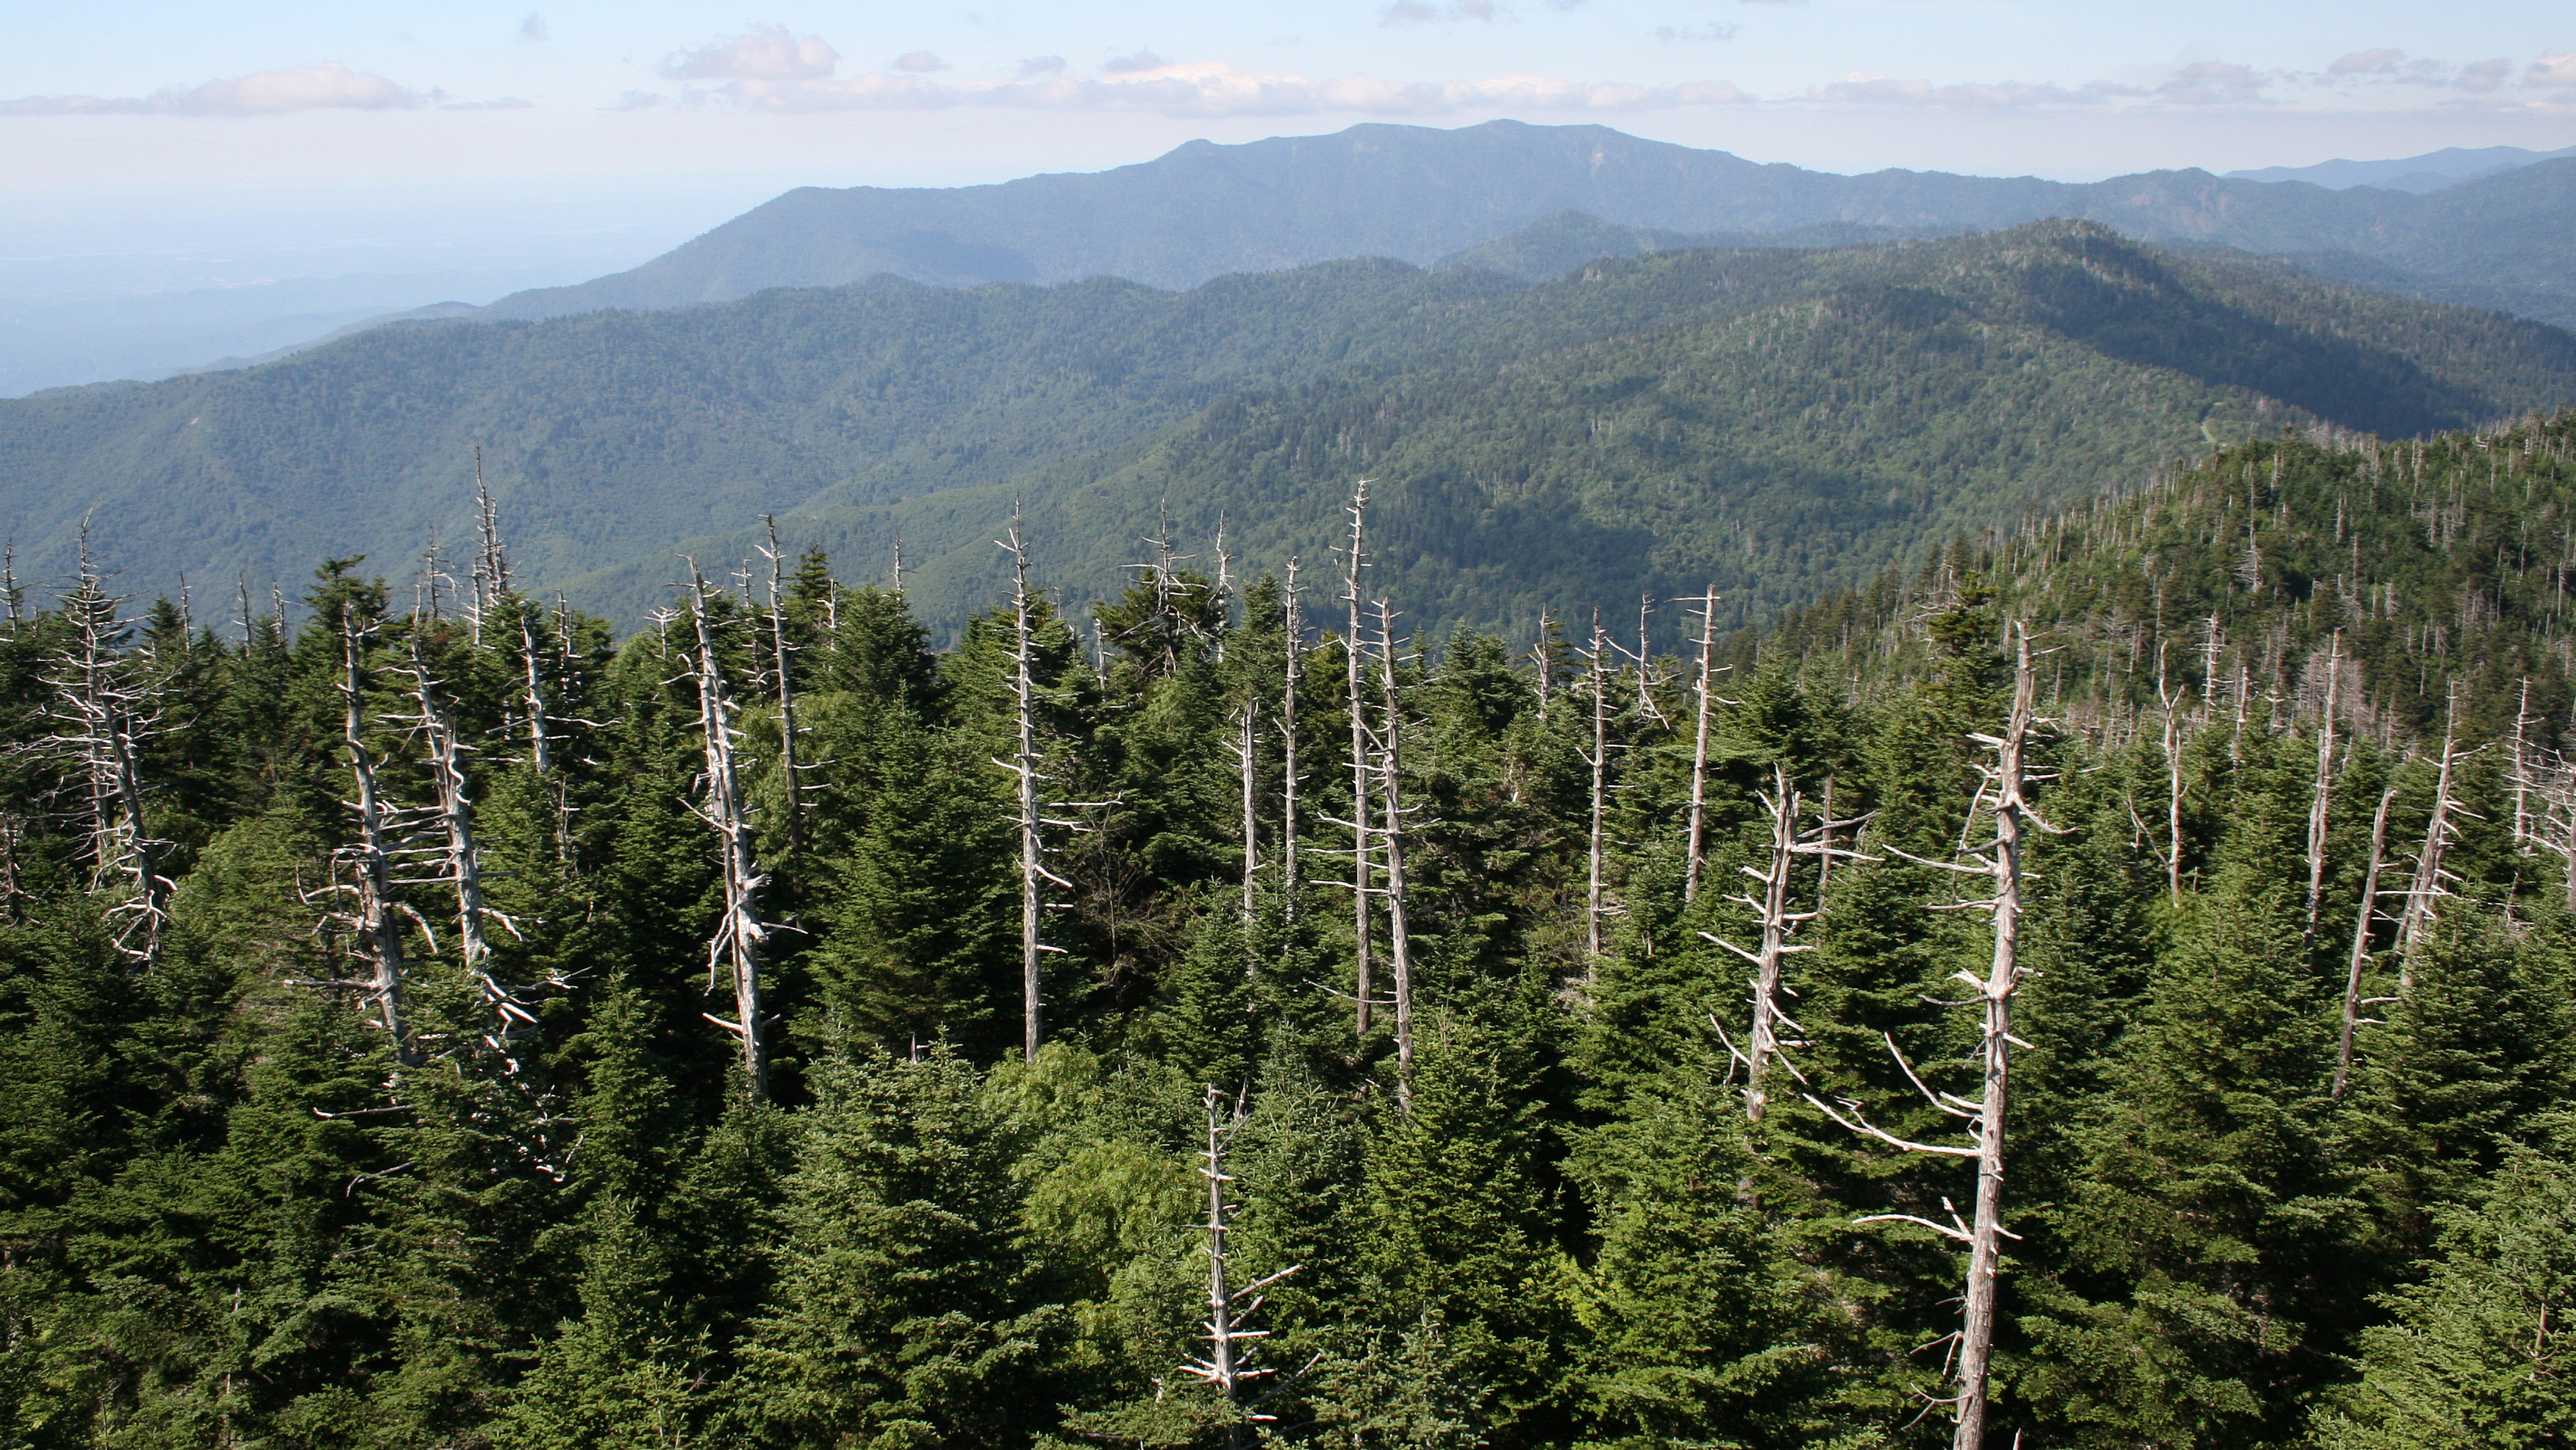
column 2431, row 171
column 1418, row 195
column 1781, row 421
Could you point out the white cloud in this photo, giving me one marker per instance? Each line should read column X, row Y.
column 2556, row 68
column 2214, row 83
column 919, row 62
column 767, row 53
column 1217, row 89
column 1141, row 60
column 1041, row 65
column 1695, row 32
column 1422, row 12
column 2367, row 63
column 328, row 86
column 1889, row 91
column 534, row 28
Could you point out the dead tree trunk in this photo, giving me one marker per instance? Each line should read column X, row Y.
column 1363, row 870
column 1391, row 846
column 1597, row 682
column 1247, row 741
column 370, row 857
column 1291, row 880
column 2427, row 885
column 1999, row 861
column 1765, row 1046
column 464, row 858
column 779, row 651
column 1024, row 765
column 2521, row 777
column 1705, row 701
column 2361, row 941
column 104, row 712
column 491, row 573
column 2324, row 793
column 2173, row 778
column 739, row 939
column 1227, row 1367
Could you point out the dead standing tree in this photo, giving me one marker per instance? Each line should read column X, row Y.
column 1363, row 870
column 2440, row 831
column 785, row 693
column 1291, row 881
column 1391, row 847
column 2322, row 797
column 1597, row 685
column 1026, row 767
column 1704, row 701
column 1789, row 841
column 103, row 709
column 1227, row 1367
column 2353, row 1001
column 741, row 935
column 463, row 858
column 2005, row 783
column 368, row 860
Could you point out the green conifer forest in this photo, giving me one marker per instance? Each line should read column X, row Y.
column 2111, row 986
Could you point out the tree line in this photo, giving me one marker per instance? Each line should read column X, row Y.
column 2109, row 985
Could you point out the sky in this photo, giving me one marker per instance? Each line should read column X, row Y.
column 606, row 131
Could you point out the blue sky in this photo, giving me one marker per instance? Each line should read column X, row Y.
column 145, row 96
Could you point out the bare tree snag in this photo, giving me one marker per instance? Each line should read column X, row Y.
column 370, row 857
column 2438, row 831
column 1247, row 742
column 1597, row 684
column 1362, row 869
column 1291, row 880
column 491, row 571
column 741, row 936
column 2521, row 773
column 1391, row 845
column 779, row 650
column 2361, row 940
column 1227, row 1367
column 1024, row 765
column 2173, row 776
column 103, row 711
column 1704, row 702
column 2323, row 794
column 1999, row 860
column 1765, row 1045
column 464, row 862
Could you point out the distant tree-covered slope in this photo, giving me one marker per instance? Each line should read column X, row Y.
column 1419, row 194
column 1800, row 418
column 1851, row 408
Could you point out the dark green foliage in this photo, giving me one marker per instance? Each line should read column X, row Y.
column 231, row 1215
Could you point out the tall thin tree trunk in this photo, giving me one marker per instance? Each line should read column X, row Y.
column 379, row 936
column 1599, row 760
column 2323, row 795
column 2003, row 979
column 2173, row 778
column 1024, row 764
column 778, row 647
column 738, row 941
column 1705, row 694
column 1247, row 741
column 2427, row 884
column 464, row 857
column 1391, row 792
column 1292, row 881
column 1362, row 870
column 2361, row 941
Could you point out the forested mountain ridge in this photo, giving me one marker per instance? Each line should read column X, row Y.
column 375, row 993
column 1838, row 405
column 1416, row 194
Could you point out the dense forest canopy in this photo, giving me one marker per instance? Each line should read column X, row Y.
column 1785, row 422
column 442, row 1022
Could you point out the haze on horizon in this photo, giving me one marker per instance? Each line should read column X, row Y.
column 173, row 167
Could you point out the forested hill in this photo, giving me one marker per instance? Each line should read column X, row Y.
column 441, row 1024
column 1417, row 193
column 1785, row 422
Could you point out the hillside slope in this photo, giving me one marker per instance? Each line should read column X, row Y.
column 1419, row 194
column 1726, row 405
